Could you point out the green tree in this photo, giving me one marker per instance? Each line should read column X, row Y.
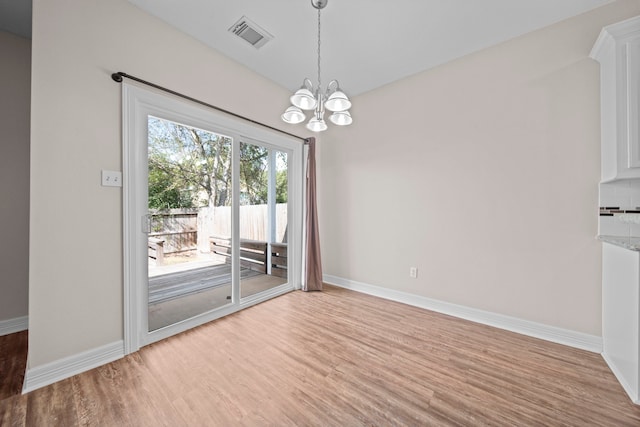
column 254, row 182
column 281, row 178
column 190, row 167
column 185, row 162
column 163, row 193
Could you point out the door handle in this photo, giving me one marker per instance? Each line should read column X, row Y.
column 146, row 223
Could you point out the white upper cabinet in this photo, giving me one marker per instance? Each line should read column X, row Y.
column 618, row 52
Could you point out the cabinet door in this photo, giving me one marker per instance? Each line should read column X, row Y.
column 620, row 314
column 633, row 102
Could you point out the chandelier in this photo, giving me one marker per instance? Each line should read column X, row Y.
column 308, row 98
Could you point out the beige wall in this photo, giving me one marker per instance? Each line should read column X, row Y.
column 483, row 174
column 15, row 88
column 76, row 268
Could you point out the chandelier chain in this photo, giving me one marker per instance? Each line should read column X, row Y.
column 319, row 81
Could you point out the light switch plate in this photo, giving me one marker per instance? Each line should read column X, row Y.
column 111, row 178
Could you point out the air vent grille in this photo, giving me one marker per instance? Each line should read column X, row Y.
column 250, row 32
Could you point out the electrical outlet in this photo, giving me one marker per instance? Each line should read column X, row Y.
column 111, row 179
column 413, row 272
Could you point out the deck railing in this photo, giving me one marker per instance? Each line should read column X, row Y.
column 279, row 259
column 254, row 254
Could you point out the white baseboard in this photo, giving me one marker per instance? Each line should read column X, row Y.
column 633, row 395
column 14, row 325
column 525, row 327
column 58, row 370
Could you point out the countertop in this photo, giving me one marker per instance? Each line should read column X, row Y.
column 631, row 243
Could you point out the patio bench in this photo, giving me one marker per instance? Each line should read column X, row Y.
column 253, row 253
column 279, row 259
column 156, row 250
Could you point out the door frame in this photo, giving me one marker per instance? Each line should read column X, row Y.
column 137, row 104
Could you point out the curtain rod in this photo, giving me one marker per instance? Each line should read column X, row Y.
column 118, row 77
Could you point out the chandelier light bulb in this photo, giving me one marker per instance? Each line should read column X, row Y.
column 293, row 115
column 304, row 99
column 338, row 101
column 341, row 118
column 317, row 125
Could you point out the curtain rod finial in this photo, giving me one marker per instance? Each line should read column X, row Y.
column 117, row 77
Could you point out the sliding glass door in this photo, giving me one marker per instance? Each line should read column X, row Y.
column 212, row 210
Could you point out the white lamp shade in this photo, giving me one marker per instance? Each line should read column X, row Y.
column 293, row 115
column 341, row 118
column 304, row 99
column 317, row 125
column 337, row 101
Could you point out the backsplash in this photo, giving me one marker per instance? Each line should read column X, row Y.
column 610, row 211
column 620, row 209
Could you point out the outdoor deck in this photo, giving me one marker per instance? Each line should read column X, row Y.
column 182, row 283
column 186, row 290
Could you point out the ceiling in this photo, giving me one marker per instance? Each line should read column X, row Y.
column 365, row 43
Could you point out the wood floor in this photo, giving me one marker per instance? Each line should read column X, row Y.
column 336, row 358
column 13, row 363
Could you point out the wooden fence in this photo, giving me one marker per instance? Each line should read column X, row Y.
column 178, row 229
column 253, row 222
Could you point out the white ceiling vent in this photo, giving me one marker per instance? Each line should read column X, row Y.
column 250, row 32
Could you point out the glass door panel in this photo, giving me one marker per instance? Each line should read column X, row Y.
column 189, row 206
column 257, row 219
